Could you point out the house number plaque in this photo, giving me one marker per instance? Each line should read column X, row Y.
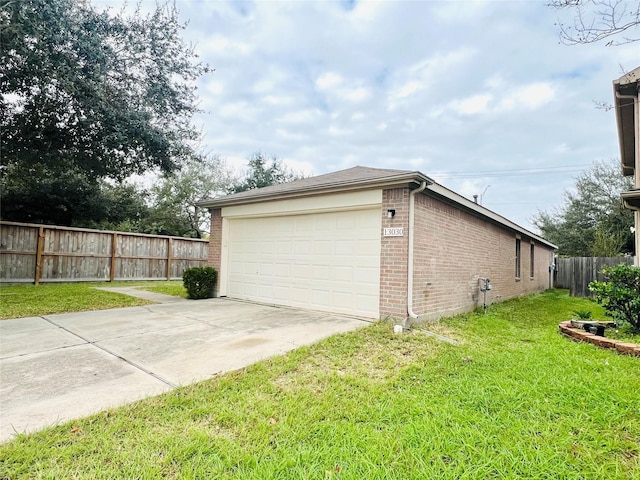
column 393, row 232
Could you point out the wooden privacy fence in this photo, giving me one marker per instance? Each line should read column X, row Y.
column 45, row 253
column 577, row 272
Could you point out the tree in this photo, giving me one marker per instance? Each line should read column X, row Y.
column 262, row 174
column 92, row 93
column 591, row 211
column 67, row 197
column 70, row 198
column 615, row 21
column 174, row 209
column 124, row 207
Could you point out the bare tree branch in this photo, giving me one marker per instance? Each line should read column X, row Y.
column 618, row 21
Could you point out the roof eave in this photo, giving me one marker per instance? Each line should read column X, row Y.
column 631, row 199
column 625, row 92
column 403, row 179
column 478, row 210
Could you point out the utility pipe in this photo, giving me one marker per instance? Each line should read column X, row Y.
column 412, row 195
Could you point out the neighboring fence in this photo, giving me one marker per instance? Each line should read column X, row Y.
column 576, row 273
column 45, row 253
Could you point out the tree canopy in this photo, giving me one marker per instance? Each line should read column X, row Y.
column 89, row 96
column 263, row 172
column 109, row 95
column 174, row 198
column 592, row 221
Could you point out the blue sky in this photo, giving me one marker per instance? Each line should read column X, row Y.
column 471, row 93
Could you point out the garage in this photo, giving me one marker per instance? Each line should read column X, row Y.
column 377, row 243
column 324, row 261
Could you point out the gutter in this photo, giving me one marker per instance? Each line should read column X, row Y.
column 626, row 170
column 303, row 189
column 412, row 210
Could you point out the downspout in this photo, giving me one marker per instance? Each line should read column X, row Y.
column 412, row 195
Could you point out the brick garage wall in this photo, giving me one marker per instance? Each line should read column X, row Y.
column 454, row 249
column 393, row 254
column 215, row 239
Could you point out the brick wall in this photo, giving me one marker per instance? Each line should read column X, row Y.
column 215, row 239
column 393, row 254
column 454, row 249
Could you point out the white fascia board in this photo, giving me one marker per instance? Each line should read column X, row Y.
column 358, row 200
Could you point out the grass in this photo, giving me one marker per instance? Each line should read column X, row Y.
column 172, row 287
column 34, row 300
column 514, row 399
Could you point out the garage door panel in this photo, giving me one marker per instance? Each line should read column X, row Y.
column 282, row 270
column 327, row 261
column 368, row 247
column 343, row 273
column 321, row 272
column 281, row 293
column 345, row 247
column 322, row 247
column 299, row 272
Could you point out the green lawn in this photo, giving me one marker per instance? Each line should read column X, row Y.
column 514, row 399
column 172, row 287
column 46, row 299
column 33, row 300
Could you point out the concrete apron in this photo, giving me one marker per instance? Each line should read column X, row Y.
column 60, row 367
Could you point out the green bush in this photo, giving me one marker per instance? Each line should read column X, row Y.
column 620, row 295
column 199, row 282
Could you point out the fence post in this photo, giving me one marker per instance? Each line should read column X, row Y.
column 39, row 251
column 114, row 250
column 169, row 255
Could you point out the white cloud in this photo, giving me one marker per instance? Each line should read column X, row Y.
column 297, row 117
column 473, row 105
column 421, row 75
column 434, row 86
column 278, row 100
column 215, row 87
column 221, row 45
column 328, row 80
column 530, row 97
column 527, row 97
column 356, row 94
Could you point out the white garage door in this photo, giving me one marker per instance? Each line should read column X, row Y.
column 321, row 261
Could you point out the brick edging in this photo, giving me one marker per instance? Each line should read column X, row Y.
column 583, row 336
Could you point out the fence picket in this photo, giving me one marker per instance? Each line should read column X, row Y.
column 48, row 253
column 576, row 273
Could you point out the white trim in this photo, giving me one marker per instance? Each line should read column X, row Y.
column 359, row 200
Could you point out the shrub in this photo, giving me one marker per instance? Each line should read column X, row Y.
column 582, row 314
column 620, row 295
column 199, row 282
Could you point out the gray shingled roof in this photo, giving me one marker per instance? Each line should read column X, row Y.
column 358, row 178
column 350, row 178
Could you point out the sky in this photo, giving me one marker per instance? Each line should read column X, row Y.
column 479, row 95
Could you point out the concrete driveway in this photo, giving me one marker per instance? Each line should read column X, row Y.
column 59, row 367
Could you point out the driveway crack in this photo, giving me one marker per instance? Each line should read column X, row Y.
column 113, row 354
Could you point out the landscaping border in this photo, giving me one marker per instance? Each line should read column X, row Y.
column 581, row 335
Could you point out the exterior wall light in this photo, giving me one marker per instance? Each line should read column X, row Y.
column 391, row 213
